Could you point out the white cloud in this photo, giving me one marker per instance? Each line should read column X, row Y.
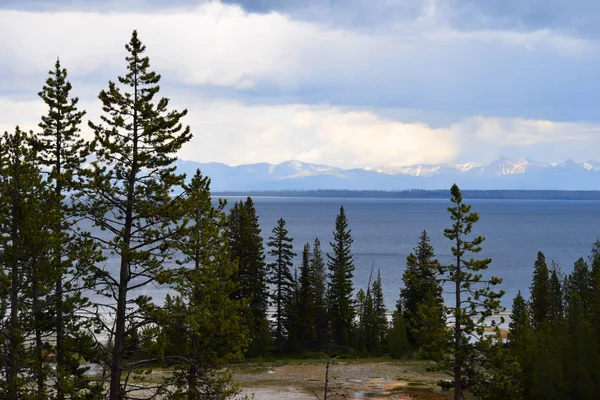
column 222, row 45
column 422, row 63
column 235, row 133
column 518, row 132
column 238, row 133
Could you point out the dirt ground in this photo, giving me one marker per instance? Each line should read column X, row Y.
column 349, row 379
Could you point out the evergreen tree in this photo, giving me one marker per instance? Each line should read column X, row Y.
column 62, row 151
column 421, row 283
column 579, row 354
column 206, row 319
column 364, row 333
column 282, row 252
column 380, row 323
column 594, row 311
column 293, row 319
column 520, row 341
column 340, row 286
column 397, row 338
column 24, row 272
column 541, row 297
column 474, row 302
column 130, row 193
column 319, row 279
column 579, row 282
column 307, row 302
column 247, row 249
column 556, row 311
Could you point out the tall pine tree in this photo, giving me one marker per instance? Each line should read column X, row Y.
column 319, row 282
column 62, row 151
column 130, row 193
column 520, row 340
column 340, row 286
column 246, row 245
column 307, row 302
column 281, row 251
column 207, row 320
column 421, row 287
column 380, row 323
column 474, row 302
column 24, row 268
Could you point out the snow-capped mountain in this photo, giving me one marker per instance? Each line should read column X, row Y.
column 502, row 173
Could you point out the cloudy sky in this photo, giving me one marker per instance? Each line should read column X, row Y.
column 349, row 83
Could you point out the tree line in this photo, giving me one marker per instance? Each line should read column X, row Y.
column 230, row 294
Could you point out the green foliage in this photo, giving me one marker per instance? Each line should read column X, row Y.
column 421, row 295
column 129, row 192
column 373, row 323
column 247, row 250
column 306, row 310
column 24, row 267
column 62, row 151
column 203, row 321
column 281, row 252
column 340, row 287
column 520, row 341
column 474, row 302
column 397, row 338
column 319, row 280
column 541, row 295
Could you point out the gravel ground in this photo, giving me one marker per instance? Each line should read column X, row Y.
column 348, row 380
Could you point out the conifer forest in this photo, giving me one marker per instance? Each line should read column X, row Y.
column 74, row 327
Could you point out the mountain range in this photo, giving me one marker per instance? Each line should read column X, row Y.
column 501, row 174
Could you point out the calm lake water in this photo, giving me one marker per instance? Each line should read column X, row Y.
column 385, row 231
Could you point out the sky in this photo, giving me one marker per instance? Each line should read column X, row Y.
column 348, row 83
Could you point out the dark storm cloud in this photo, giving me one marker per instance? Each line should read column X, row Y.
column 578, row 17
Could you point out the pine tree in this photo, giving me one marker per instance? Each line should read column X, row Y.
column 556, row 311
column 319, row 279
column 207, row 320
column 24, row 247
column 281, row 251
column 520, row 340
column 547, row 352
column 541, row 297
column 364, row 331
column 247, row 250
column 380, row 323
column 130, row 193
column 397, row 338
column 579, row 282
column 340, row 286
column 579, row 356
column 307, row 302
column 474, row 302
column 594, row 312
column 420, row 283
column 62, row 151
column 293, row 319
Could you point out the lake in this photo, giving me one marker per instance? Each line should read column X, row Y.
column 385, row 231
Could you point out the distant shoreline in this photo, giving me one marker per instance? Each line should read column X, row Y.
column 425, row 194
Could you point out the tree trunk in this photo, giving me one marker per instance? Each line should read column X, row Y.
column 12, row 369
column 120, row 319
column 39, row 367
column 60, row 328
column 458, row 330
column 60, row 339
column 115, row 392
column 193, row 371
